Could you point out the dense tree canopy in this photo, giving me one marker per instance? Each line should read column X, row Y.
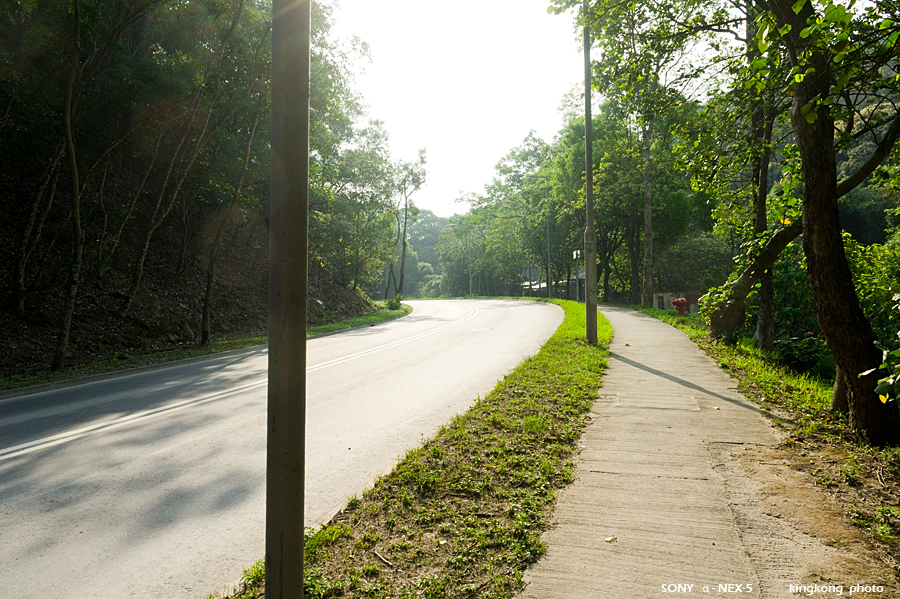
column 136, row 132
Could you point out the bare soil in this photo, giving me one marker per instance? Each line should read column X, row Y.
column 795, row 531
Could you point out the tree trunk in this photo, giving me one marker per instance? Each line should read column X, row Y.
column 634, row 248
column 839, row 400
column 726, row 320
column 847, row 332
column 647, row 284
column 34, row 225
column 158, row 217
column 765, row 320
column 763, row 122
column 130, row 211
column 62, row 339
column 388, row 278
column 606, row 283
column 220, row 232
column 403, row 251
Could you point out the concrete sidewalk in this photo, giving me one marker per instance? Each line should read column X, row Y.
column 651, row 506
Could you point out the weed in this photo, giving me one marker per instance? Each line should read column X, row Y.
column 826, row 482
column 850, row 471
column 368, row 540
column 255, row 574
column 371, row 571
column 879, row 524
column 884, row 522
column 318, row 542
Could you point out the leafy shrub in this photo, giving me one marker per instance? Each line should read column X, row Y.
column 806, row 355
column 394, row 304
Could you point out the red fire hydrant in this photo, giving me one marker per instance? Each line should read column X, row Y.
column 681, row 304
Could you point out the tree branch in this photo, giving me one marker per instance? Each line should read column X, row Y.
column 877, row 157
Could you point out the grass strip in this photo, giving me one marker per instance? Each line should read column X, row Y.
column 462, row 514
column 381, row 315
column 130, row 361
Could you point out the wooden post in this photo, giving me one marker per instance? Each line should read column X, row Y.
column 288, row 214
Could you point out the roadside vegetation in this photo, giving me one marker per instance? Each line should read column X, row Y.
column 131, row 361
column 462, row 514
column 864, row 479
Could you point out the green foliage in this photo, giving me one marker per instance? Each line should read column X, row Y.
column 806, row 354
column 694, row 263
column 255, row 574
column 888, row 388
column 172, row 128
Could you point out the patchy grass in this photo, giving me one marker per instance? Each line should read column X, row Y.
column 865, row 480
column 127, row 362
column 462, row 515
column 381, row 315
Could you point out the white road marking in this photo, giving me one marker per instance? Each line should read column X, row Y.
column 472, row 313
column 46, row 442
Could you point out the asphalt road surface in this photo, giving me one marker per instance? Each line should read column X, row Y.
column 153, row 484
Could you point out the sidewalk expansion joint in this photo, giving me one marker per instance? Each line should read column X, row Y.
column 648, row 475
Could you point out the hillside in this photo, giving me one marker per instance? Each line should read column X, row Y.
column 165, row 313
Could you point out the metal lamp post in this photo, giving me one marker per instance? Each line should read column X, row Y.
column 590, row 235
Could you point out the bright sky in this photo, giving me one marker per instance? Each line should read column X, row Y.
column 465, row 79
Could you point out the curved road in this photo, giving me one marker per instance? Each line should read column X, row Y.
column 153, row 484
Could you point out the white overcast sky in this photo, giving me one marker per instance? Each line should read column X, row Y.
column 466, row 80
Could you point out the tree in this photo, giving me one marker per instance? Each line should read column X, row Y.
column 423, row 236
column 640, row 56
column 78, row 245
column 409, row 178
column 827, row 49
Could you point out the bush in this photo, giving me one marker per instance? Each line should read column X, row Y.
column 806, row 355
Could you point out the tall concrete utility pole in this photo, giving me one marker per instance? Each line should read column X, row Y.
column 590, row 235
column 288, row 229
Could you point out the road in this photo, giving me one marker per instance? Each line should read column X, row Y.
column 153, row 484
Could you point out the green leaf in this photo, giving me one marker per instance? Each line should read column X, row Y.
column 811, row 116
column 798, row 6
column 785, row 30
